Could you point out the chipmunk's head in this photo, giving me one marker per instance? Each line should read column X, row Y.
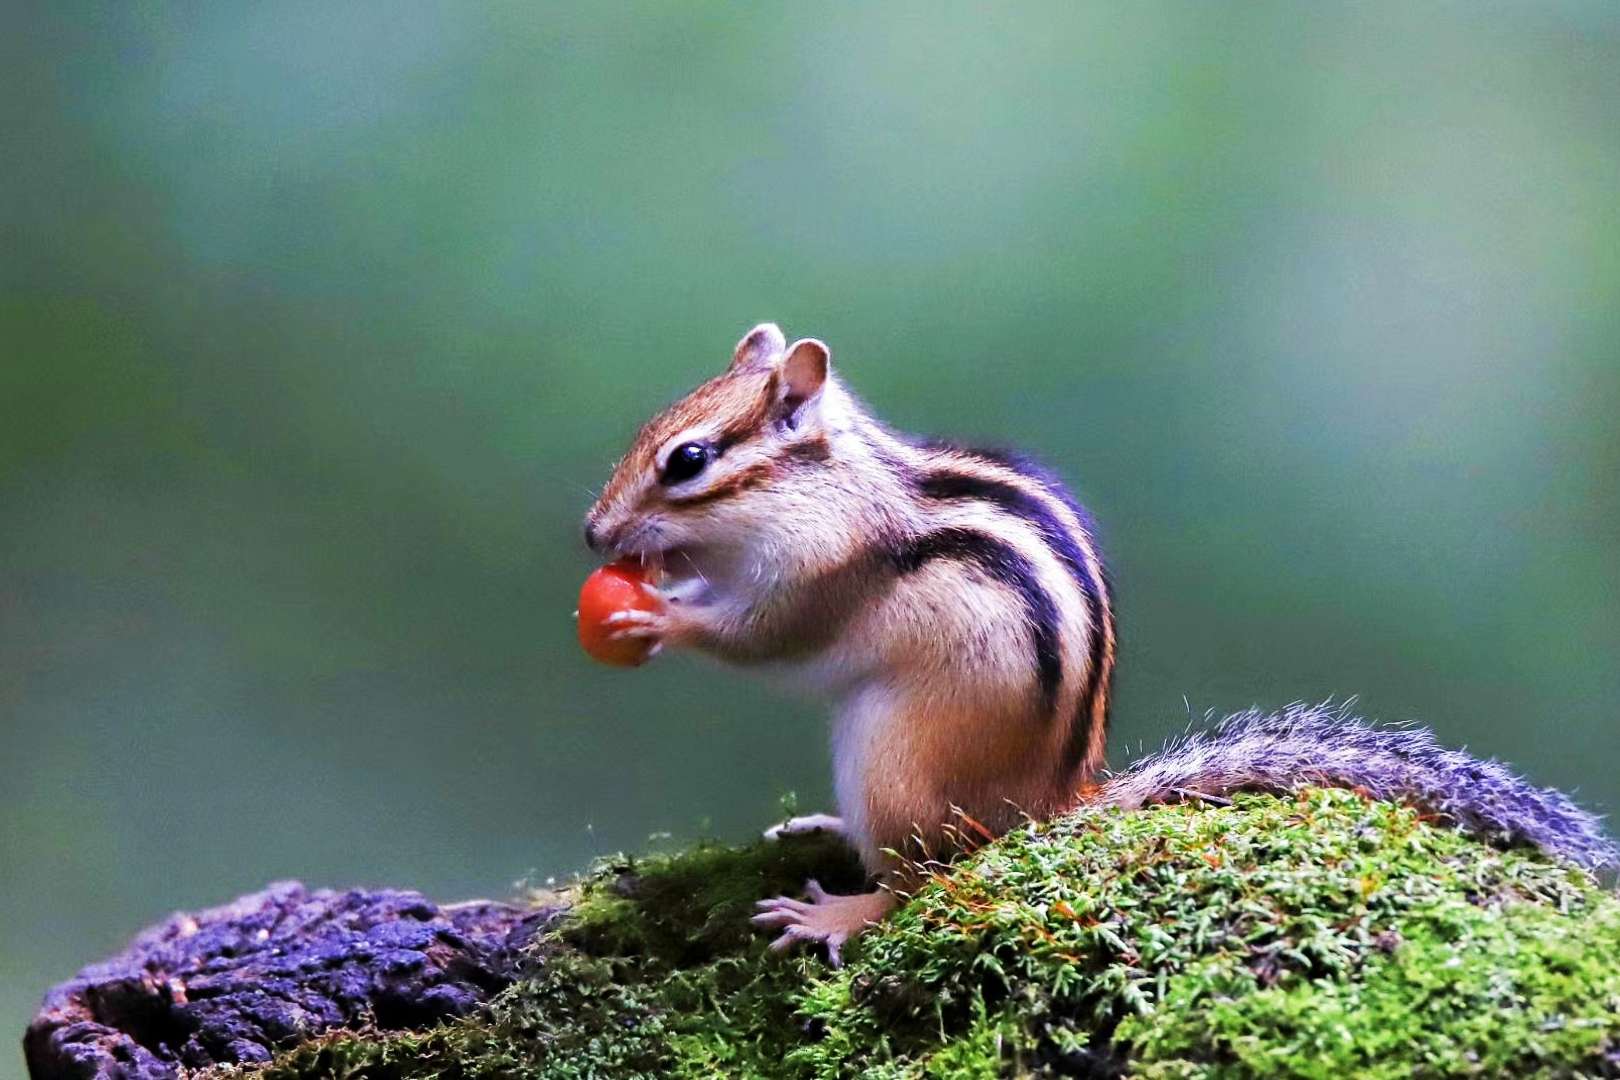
column 718, row 470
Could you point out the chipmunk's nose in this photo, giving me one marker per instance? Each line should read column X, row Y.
column 592, row 539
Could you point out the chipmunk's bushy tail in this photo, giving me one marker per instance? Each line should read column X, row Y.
column 1323, row 745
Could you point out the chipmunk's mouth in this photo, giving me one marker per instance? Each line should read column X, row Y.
column 672, row 563
column 666, row 564
column 656, row 560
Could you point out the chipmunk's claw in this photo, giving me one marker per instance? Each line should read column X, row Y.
column 825, row 919
column 634, row 623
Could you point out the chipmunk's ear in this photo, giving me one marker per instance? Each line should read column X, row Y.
column 759, row 348
column 799, row 379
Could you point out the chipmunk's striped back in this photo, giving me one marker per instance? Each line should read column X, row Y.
column 1012, row 486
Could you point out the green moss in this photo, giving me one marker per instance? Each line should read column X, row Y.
column 1324, row 935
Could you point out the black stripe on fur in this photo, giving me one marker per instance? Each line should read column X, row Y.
column 1001, row 562
column 1038, row 512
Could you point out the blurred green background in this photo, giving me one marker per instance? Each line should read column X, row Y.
column 320, row 322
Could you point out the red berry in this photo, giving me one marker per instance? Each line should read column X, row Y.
column 611, row 589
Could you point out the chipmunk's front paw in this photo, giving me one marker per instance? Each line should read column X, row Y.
column 826, row 919
column 669, row 625
column 637, row 624
column 808, row 825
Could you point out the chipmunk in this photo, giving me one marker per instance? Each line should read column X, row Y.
column 954, row 605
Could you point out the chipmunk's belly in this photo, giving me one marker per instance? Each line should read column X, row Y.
column 857, row 731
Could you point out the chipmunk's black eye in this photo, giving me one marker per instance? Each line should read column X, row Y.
column 685, row 462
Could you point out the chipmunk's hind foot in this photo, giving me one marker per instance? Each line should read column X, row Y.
column 825, row 919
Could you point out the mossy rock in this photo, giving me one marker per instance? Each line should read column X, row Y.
column 1322, row 935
